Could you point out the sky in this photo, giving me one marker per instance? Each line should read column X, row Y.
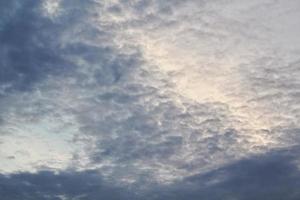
column 149, row 99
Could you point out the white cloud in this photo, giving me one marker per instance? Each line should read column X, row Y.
column 52, row 8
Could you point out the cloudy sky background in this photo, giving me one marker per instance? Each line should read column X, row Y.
column 149, row 99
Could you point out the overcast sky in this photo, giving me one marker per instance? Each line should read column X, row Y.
column 149, row 99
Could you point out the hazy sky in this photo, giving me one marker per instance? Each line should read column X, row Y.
column 150, row 99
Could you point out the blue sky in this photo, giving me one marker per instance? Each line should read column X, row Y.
column 149, row 99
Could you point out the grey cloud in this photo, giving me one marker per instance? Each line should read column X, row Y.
column 109, row 65
column 64, row 185
column 43, row 62
column 98, row 89
column 273, row 87
column 128, row 131
column 32, row 44
column 152, row 130
column 274, row 175
column 29, row 50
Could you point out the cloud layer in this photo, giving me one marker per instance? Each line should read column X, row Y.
column 149, row 99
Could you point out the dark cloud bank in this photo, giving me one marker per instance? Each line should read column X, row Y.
column 274, row 176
